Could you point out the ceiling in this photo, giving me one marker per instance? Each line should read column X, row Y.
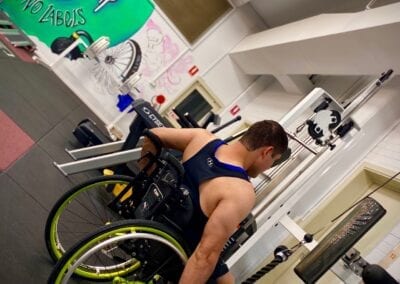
column 280, row 12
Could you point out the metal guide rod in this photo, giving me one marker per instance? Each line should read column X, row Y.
column 365, row 95
column 276, row 170
column 14, row 34
column 96, row 150
column 9, row 31
column 300, row 142
column 257, row 211
column 117, row 158
column 101, row 149
column 5, row 22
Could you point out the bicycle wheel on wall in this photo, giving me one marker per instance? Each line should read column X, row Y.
column 129, row 251
column 82, row 210
column 117, row 64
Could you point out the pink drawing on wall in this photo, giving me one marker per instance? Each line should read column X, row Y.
column 173, row 76
column 159, row 50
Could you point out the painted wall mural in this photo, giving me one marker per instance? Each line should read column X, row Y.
column 155, row 52
column 142, row 42
column 161, row 48
column 50, row 19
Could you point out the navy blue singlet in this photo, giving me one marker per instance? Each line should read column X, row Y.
column 201, row 167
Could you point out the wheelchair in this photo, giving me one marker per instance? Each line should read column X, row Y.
column 118, row 228
column 126, row 228
column 130, row 251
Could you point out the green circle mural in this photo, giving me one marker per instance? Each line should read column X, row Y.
column 49, row 19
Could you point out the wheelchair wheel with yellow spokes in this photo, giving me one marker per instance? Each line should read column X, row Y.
column 130, row 251
column 84, row 209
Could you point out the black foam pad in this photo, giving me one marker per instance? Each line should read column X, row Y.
column 340, row 240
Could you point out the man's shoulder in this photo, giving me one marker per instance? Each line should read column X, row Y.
column 203, row 133
column 239, row 192
column 201, row 137
column 198, row 134
column 234, row 185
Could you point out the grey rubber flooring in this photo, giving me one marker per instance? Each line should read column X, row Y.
column 47, row 110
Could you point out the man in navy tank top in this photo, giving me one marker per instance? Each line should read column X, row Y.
column 218, row 177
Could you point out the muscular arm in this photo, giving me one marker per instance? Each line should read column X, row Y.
column 222, row 223
column 178, row 139
column 185, row 140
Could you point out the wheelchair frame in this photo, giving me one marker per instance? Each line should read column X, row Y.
column 155, row 196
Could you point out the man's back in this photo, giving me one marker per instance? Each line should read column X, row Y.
column 221, row 201
column 217, row 186
column 224, row 200
column 204, row 170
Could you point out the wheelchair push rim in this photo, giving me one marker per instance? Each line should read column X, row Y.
column 54, row 233
column 71, row 262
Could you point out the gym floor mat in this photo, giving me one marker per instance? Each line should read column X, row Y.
column 14, row 142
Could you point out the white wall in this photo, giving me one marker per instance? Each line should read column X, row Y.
column 273, row 103
column 209, row 54
column 217, row 69
column 280, row 12
column 333, row 44
column 386, row 157
column 387, row 153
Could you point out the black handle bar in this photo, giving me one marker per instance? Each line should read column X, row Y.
column 237, row 118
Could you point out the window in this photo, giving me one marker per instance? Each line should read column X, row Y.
column 195, row 104
column 193, row 17
column 197, row 100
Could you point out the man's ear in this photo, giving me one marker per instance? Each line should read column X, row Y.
column 268, row 150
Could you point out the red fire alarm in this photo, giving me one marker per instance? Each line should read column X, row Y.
column 193, row 70
column 235, row 109
column 160, row 99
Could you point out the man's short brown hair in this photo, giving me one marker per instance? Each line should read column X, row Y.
column 265, row 133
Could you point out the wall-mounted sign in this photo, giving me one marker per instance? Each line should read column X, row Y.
column 234, row 110
column 50, row 19
column 193, row 70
